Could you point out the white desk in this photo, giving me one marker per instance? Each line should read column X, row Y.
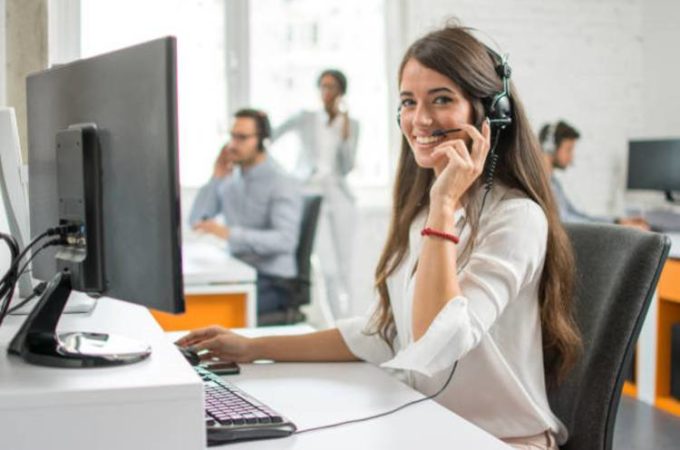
column 205, row 262
column 154, row 404
column 314, row 394
column 158, row 403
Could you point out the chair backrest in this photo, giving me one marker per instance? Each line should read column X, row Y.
column 310, row 217
column 617, row 270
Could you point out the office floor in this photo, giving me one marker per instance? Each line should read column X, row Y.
column 640, row 426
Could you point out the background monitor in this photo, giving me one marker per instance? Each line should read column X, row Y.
column 102, row 153
column 654, row 165
column 13, row 189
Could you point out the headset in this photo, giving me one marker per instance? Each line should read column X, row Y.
column 264, row 130
column 262, row 125
column 549, row 143
column 498, row 108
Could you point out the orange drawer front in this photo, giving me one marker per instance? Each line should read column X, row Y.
column 669, row 282
column 228, row 310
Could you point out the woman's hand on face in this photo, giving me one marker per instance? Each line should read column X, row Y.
column 457, row 166
column 218, row 342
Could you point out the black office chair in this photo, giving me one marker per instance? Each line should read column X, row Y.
column 617, row 270
column 299, row 288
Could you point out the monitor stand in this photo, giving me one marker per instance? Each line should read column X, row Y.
column 670, row 197
column 37, row 341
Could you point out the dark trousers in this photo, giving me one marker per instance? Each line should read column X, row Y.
column 272, row 294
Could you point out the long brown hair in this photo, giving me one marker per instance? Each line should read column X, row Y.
column 455, row 53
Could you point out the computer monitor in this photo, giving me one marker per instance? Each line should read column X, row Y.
column 654, row 165
column 103, row 164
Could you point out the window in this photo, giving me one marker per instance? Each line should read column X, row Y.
column 292, row 41
column 202, row 93
column 266, row 54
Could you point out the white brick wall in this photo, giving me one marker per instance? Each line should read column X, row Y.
column 607, row 66
column 661, row 73
column 581, row 60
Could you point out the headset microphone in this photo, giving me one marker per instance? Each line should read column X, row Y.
column 435, row 133
column 440, row 132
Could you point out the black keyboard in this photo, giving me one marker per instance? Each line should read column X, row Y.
column 232, row 415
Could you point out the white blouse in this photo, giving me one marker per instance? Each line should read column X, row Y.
column 492, row 329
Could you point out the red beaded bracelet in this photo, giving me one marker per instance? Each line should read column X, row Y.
column 439, row 234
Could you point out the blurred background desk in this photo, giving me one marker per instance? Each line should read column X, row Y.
column 668, row 315
column 219, row 289
column 651, row 380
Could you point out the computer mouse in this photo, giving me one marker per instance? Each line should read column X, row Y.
column 190, row 355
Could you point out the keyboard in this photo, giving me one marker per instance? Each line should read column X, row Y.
column 232, row 415
column 661, row 220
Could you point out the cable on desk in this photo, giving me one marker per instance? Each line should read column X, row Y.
column 386, row 413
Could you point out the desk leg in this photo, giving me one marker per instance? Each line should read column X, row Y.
column 251, row 306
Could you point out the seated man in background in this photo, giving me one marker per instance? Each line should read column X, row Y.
column 261, row 205
column 558, row 141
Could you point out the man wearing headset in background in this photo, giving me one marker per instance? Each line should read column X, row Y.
column 260, row 204
column 558, row 141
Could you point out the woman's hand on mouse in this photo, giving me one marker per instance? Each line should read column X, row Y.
column 218, row 342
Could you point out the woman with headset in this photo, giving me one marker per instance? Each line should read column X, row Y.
column 474, row 282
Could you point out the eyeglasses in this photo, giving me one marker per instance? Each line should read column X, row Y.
column 241, row 137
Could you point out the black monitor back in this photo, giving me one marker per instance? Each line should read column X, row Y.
column 130, row 95
column 654, row 164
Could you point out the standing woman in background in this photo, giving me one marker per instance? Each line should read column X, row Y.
column 329, row 145
column 475, row 279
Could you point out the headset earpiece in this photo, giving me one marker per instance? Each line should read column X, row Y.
column 265, row 131
column 499, row 107
column 549, row 143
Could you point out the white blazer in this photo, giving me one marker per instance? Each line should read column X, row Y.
column 308, row 126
